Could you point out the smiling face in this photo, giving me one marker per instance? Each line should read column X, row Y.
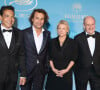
column 38, row 20
column 7, row 18
column 89, row 25
column 62, row 30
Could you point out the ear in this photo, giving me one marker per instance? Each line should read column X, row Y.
column 83, row 26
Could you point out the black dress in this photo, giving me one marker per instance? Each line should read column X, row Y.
column 61, row 57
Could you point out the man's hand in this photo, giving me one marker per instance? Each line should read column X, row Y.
column 22, row 81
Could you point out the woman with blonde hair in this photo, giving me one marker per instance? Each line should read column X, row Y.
column 62, row 58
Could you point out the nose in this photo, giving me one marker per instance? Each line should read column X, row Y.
column 10, row 18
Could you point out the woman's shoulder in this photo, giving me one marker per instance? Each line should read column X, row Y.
column 54, row 39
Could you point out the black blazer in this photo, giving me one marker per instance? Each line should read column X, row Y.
column 31, row 52
column 62, row 55
column 13, row 58
column 84, row 56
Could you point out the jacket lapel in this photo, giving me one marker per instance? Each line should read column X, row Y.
column 31, row 38
column 2, row 41
column 13, row 41
column 96, row 44
column 85, row 43
column 45, row 35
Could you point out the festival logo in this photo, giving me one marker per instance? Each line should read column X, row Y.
column 77, row 14
column 22, row 5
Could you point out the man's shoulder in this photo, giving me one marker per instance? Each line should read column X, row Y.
column 97, row 33
column 47, row 31
column 80, row 35
column 16, row 29
column 27, row 29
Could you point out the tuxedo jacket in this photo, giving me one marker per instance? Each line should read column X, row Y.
column 12, row 59
column 31, row 52
column 84, row 55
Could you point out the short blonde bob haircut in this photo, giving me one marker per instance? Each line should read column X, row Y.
column 63, row 22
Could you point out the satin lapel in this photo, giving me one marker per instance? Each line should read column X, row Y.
column 45, row 35
column 96, row 43
column 2, row 41
column 31, row 38
column 13, row 41
column 85, row 43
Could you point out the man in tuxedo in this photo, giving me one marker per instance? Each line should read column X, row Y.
column 87, row 68
column 36, row 40
column 12, row 53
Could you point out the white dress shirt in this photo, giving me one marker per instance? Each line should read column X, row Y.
column 7, row 35
column 91, row 44
column 38, row 40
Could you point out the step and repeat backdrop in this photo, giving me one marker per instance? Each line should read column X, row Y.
column 72, row 11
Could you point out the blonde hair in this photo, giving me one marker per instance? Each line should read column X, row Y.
column 63, row 22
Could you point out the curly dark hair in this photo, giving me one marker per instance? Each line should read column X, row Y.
column 46, row 17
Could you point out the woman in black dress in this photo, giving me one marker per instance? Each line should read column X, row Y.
column 63, row 54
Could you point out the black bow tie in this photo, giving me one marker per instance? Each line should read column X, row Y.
column 90, row 35
column 4, row 30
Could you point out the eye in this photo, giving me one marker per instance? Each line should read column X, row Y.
column 37, row 18
column 6, row 15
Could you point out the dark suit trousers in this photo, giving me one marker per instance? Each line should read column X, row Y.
column 9, row 83
column 83, row 78
column 35, row 80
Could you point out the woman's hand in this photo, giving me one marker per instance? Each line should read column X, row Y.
column 61, row 73
column 56, row 71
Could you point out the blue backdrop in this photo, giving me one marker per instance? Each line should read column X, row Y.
column 71, row 10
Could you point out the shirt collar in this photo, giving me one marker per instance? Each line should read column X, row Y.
column 2, row 27
column 35, row 31
column 87, row 33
